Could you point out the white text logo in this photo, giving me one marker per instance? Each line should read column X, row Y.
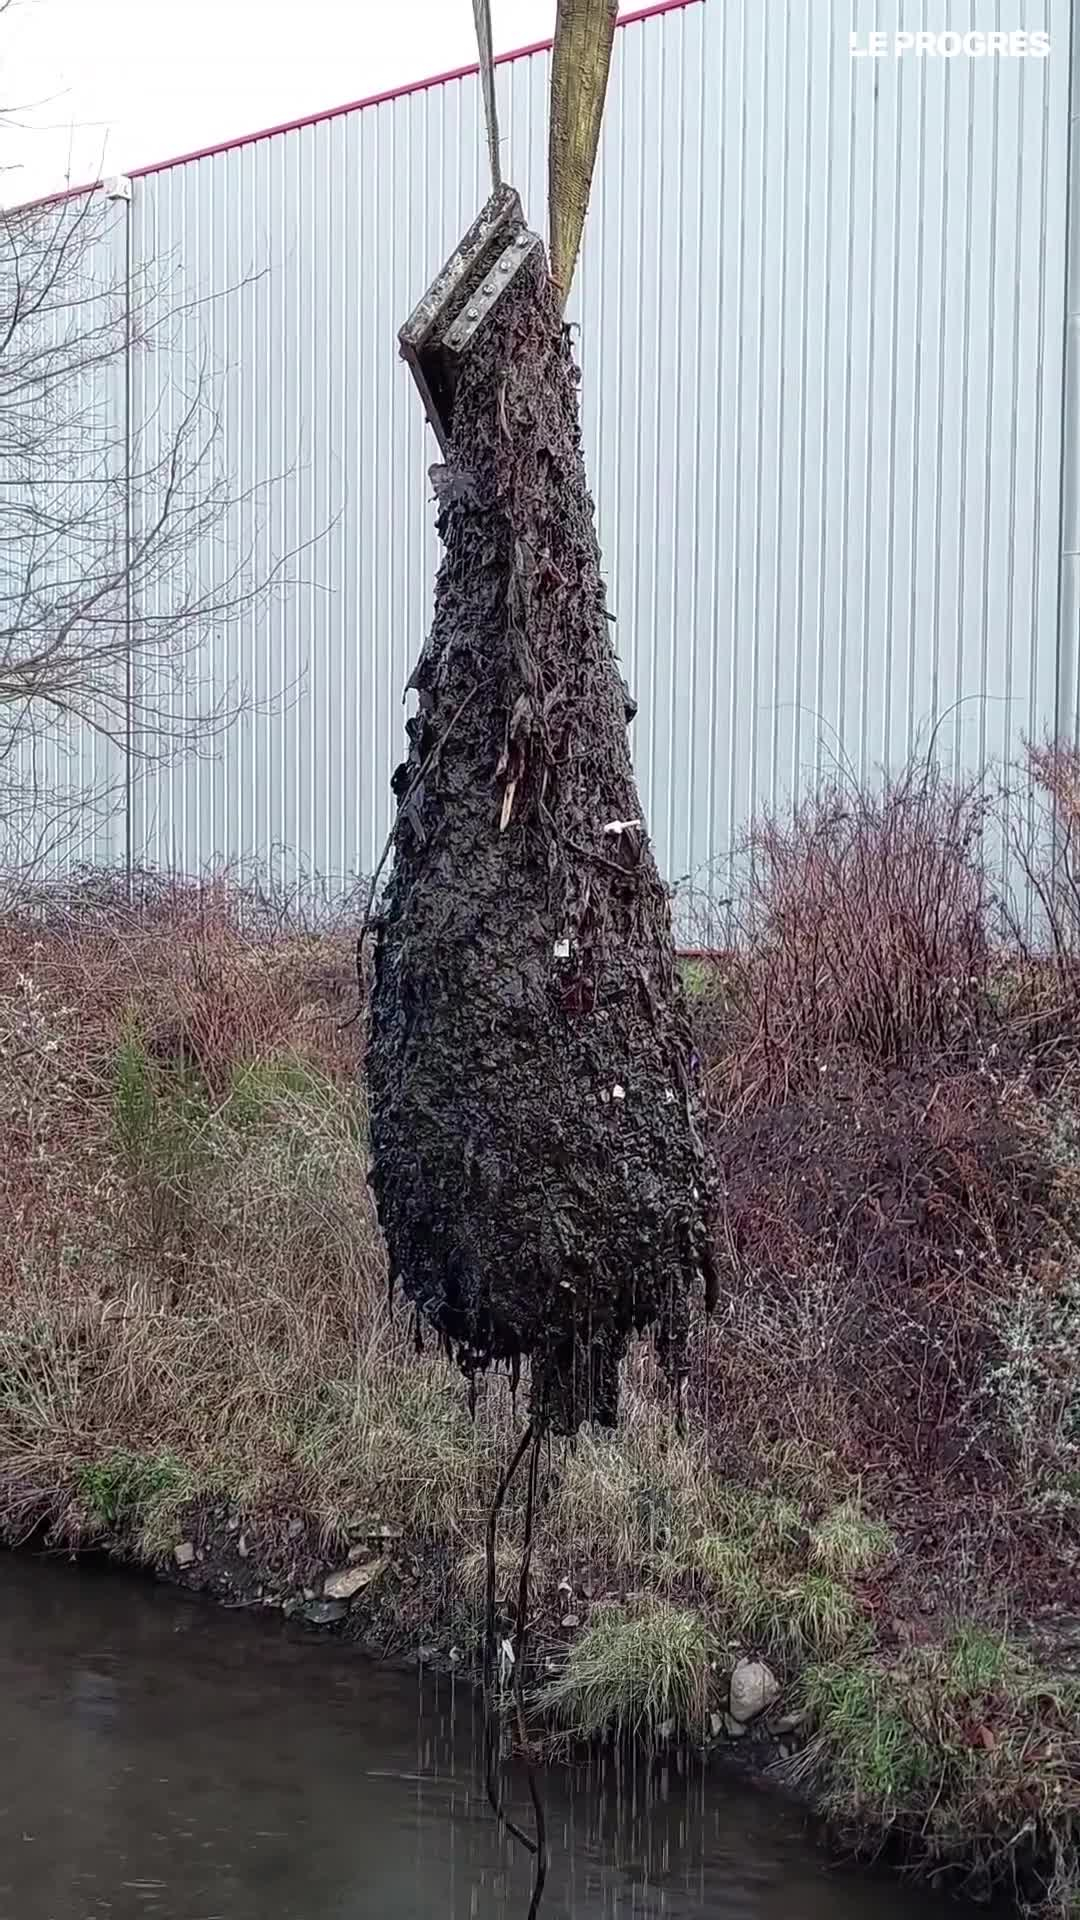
column 1019, row 45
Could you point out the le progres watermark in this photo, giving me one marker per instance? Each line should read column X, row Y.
column 1019, row 45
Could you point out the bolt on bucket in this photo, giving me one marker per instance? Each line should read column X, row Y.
column 460, row 301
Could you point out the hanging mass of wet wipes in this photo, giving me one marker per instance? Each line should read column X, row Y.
column 537, row 1164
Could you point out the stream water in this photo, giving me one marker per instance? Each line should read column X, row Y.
column 163, row 1760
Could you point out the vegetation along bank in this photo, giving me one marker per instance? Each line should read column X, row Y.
column 858, row 1559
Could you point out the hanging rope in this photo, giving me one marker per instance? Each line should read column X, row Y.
column 482, row 17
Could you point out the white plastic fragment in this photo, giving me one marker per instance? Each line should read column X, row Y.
column 620, row 826
column 669, row 1097
column 562, row 949
column 618, row 1093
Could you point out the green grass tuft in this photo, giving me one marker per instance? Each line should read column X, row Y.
column 965, row 1756
column 633, row 1674
column 736, row 1589
column 754, row 1564
column 633, row 1500
column 847, row 1543
column 265, row 1092
column 764, row 1523
column 160, row 1125
column 143, row 1492
column 696, row 977
column 134, row 1096
column 401, row 1446
column 876, row 1757
column 975, row 1663
column 811, row 1617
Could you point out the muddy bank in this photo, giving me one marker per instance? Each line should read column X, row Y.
column 378, row 1598
column 391, row 1599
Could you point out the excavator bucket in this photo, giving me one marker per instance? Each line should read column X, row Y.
column 460, row 301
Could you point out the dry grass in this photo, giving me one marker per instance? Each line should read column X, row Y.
column 632, row 1502
column 636, row 1673
column 197, row 1274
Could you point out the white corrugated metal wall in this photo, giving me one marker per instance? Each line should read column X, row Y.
column 63, row 486
column 822, row 309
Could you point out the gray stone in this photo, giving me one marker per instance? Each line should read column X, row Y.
column 184, row 1554
column 349, row 1581
column 733, row 1728
column 325, row 1613
column 790, row 1722
column 754, row 1688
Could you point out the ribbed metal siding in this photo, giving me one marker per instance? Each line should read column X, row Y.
column 821, row 305
column 62, row 783
column 1069, row 702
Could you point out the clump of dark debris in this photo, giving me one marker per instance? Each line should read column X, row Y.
column 538, row 1165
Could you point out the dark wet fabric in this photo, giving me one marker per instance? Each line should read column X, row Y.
column 537, row 1163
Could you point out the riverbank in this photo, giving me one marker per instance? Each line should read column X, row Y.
column 949, row 1748
column 762, row 1641
column 877, row 1495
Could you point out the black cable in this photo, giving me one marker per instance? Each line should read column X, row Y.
column 521, row 1633
column 491, row 1747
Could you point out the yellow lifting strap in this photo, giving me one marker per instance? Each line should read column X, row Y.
column 580, row 60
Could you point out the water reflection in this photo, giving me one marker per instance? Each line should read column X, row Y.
column 160, row 1760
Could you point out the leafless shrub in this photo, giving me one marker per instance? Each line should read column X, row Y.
column 123, row 548
column 864, row 935
column 883, row 1101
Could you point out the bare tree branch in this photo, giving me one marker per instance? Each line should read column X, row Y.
column 118, row 551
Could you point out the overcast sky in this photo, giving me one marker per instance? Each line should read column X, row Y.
column 101, row 86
